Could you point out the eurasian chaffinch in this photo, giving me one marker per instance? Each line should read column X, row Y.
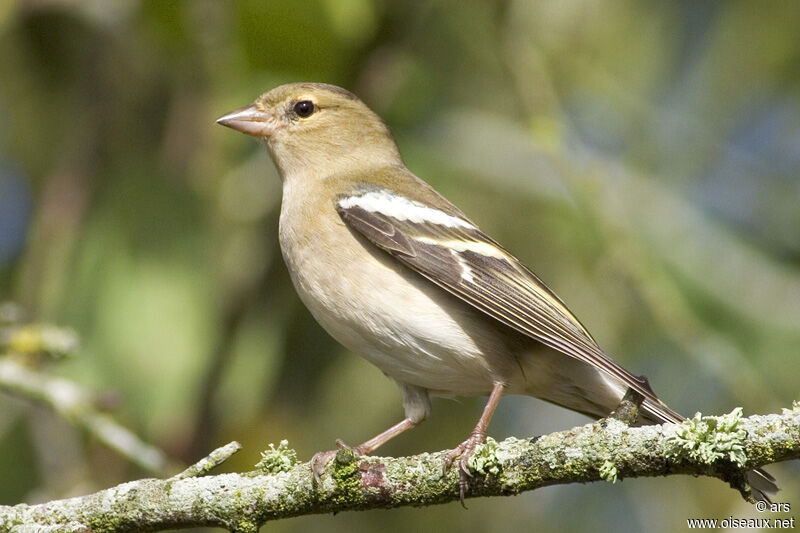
column 400, row 276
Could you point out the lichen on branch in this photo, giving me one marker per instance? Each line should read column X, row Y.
column 280, row 487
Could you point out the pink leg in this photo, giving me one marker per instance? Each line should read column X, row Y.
column 476, row 437
column 320, row 459
column 379, row 440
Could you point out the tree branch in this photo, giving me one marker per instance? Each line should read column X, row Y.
column 25, row 347
column 77, row 405
column 720, row 447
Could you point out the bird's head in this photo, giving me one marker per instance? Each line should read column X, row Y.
column 314, row 127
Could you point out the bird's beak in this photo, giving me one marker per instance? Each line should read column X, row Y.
column 249, row 120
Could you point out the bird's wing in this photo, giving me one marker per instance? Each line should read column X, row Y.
column 453, row 253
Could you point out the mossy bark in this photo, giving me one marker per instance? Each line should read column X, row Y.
column 242, row 502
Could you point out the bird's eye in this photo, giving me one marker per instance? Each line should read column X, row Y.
column 304, row 108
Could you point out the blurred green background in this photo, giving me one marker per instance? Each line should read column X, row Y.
column 642, row 157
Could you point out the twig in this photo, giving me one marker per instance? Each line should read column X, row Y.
column 75, row 404
column 242, row 502
column 214, row 459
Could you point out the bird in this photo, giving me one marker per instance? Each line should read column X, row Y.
column 400, row 276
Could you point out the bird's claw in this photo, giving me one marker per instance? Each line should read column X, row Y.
column 321, row 459
column 463, row 452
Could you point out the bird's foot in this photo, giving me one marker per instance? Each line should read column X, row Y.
column 463, row 452
column 321, row 459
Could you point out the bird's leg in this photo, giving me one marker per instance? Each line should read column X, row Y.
column 320, row 459
column 478, row 436
column 375, row 442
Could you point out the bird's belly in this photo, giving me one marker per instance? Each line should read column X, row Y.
column 412, row 330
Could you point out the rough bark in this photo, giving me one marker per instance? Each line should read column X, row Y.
column 281, row 487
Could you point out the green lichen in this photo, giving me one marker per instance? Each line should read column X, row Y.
column 345, row 470
column 419, row 479
column 423, row 468
column 485, row 460
column 280, row 459
column 102, row 522
column 708, row 439
column 608, row 471
column 794, row 410
column 245, row 526
column 6, row 524
column 345, row 465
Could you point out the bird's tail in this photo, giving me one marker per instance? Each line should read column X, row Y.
column 762, row 484
column 578, row 386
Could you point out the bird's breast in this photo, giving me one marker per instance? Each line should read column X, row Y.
column 412, row 330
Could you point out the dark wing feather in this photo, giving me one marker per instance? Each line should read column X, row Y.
column 469, row 264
